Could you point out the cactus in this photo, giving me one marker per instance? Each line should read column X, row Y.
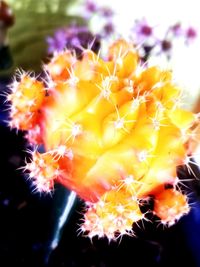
column 113, row 132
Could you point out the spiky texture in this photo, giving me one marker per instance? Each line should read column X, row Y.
column 113, row 131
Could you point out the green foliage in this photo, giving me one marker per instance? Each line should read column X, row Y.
column 35, row 19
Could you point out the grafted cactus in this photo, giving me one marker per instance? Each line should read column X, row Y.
column 113, row 132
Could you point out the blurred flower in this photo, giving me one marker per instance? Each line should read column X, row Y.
column 91, row 9
column 91, row 6
column 190, row 34
column 142, row 31
column 73, row 37
column 57, row 42
column 152, row 44
column 108, row 29
column 106, row 12
column 176, row 29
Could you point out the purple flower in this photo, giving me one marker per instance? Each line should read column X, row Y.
column 146, row 30
column 164, row 47
column 176, row 29
column 57, row 42
column 142, row 31
column 190, row 34
column 106, row 12
column 108, row 29
column 74, row 37
column 91, row 6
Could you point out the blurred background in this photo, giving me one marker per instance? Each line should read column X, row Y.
column 166, row 33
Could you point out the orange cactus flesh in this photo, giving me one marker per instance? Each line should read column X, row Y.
column 170, row 205
column 113, row 131
column 27, row 96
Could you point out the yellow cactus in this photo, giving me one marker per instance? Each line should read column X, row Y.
column 113, row 132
